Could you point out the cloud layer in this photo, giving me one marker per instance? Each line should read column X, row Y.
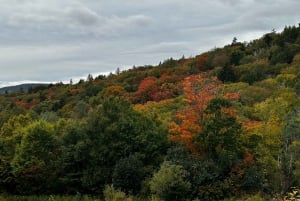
column 54, row 40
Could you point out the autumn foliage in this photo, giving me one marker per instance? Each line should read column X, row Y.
column 218, row 138
column 198, row 90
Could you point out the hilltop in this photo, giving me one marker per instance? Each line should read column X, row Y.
column 20, row 87
column 222, row 124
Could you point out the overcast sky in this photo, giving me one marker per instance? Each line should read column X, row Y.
column 56, row 40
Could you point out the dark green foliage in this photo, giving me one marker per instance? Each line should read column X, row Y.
column 250, row 73
column 91, row 89
column 290, row 155
column 201, row 171
column 48, row 198
column 47, row 106
column 37, row 88
column 169, row 63
column 297, row 87
column 80, row 110
column 217, row 190
column 169, row 183
column 290, row 34
column 11, row 136
column 221, row 134
column 116, row 131
column 253, row 179
column 268, row 39
column 226, row 74
column 283, row 54
column 285, row 48
column 7, row 110
column 75, row 156
column 235, row 57
column 7, row 178
column 34, row 163
column 192, row 66
column 128, row 174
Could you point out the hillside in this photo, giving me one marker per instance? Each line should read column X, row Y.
column 221, row 124
column 20, row 87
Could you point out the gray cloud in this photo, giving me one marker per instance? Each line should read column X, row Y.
column 83, row 16
column 55, row 40
column 164, row 47
column 73, row 18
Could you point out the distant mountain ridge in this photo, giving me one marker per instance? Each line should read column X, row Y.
column 20, row 87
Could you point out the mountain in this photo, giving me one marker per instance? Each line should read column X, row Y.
column 21, row 87
column 223, row 125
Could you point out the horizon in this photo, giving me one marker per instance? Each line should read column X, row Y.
column 76, row 79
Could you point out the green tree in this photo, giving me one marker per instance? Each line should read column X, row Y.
column 250, row 73
column 201, row 171
column 284, row 54
column 75, row 155
column 290, row 152
column 35, row 160
column 226, row 74
column 169, row 183
column 116, row 131
column 235, row 57
column 11, row 135
column 128, row 174
column 221, row 134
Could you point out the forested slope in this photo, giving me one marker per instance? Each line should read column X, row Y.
column 225, row 123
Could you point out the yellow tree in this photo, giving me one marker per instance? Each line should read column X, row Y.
column 273, row 112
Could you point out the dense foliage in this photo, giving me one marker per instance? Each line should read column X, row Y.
column 223, row 124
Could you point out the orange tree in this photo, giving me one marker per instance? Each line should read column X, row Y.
column 198, row 90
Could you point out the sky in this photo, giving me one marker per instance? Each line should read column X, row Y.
column 59, row 40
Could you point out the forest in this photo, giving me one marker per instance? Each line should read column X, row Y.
column 223, row 125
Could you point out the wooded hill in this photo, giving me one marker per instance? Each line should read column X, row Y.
column 225, row 123
column 20, row 88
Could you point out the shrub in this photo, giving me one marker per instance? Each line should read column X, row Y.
column 169, row 183
column 128, row 174
column 112, row 194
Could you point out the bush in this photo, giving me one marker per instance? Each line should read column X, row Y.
column 46, row 198
column 128, row 174
column 112, row 194
column 169, row 183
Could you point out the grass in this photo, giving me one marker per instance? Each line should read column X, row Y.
column 47, row 198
